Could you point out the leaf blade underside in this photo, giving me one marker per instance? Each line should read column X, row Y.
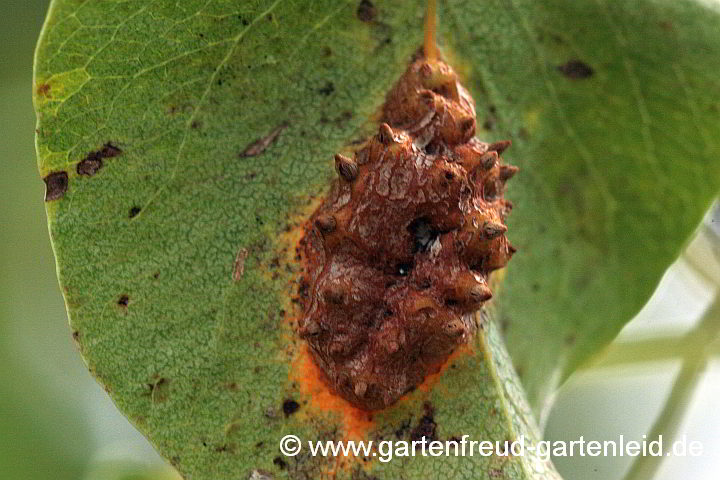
column 226, row 118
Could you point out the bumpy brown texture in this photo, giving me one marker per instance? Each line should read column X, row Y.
column 397, row 258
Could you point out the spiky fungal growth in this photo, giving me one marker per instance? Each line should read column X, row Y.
column 398, row 256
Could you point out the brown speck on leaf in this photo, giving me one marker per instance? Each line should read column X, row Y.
column 290, row 406
column 43, row 90
column 327, row 89
column 89, row 166
column 239, row 266
column 94, row 160
column 123, row 301
column 223, row 448
column 56, row 184
column 576, row 69
column 426, row 427
column 134, row 211
column 280, row 463
column 260, row 145
column 366, row 11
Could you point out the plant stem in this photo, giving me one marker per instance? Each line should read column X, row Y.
column 672, row 414
column 430, row 46
column 651, row 350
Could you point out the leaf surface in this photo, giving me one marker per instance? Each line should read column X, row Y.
column 196, row 137
column 612, row 108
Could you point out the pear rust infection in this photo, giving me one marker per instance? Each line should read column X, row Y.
column 397, row 258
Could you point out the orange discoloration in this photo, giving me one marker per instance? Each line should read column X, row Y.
column 355, row 423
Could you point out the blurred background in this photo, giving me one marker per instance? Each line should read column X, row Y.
column 661, row 374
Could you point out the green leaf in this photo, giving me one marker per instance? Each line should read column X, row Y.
column 215, row 124
column 618, row 168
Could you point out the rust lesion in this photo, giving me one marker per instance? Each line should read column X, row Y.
column 398, row 257
column 43, row 90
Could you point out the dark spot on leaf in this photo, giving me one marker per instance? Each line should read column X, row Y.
column 196, row 123
column 134, row 211
column 43, row 90
column 89, row 166
column 76, row 335
column 402, row 429
column 426, row 427
column 327, row 89
column 280, row 463
column 123, row 301
column 260, row 145
column 56, row 184
column 94, row 160
column 576, row 69
column 156, row 275
column 366, row 11
column 570, row 339
column 290, row 406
